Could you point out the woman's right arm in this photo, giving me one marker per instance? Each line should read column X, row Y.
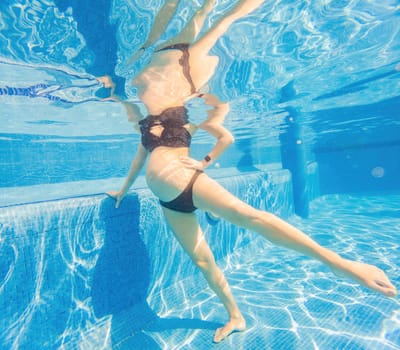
column 136, row 167
column 214, row 126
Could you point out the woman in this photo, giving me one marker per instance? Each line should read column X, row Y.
column 177, row 71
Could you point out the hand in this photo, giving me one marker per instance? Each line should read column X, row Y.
column 191, row 163
column 118, row 196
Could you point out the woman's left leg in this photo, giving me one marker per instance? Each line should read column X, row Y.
column 211, row 196
column 190, row 236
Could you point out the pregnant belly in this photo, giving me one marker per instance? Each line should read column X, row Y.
column 167, row 177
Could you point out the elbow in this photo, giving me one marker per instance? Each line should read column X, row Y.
column 229, row 139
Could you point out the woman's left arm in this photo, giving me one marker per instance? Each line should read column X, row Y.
column 213, row 125
column 224, row 140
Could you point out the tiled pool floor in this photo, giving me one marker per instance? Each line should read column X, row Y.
column 290, row 302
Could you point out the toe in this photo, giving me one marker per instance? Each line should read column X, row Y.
column 221, row 334
column 228, row 329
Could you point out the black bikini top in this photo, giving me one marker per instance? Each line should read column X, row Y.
column 174, row 133
column 183, row 61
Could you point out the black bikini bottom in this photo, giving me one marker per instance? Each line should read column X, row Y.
column 184, row 202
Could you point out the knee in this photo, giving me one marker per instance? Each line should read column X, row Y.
column 204, row 263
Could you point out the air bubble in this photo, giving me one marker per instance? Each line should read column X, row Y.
column 378, row 172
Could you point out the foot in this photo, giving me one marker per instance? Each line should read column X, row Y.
column 368, row 275
column 234, row 325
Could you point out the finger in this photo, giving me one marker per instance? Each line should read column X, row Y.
column 187, row 163
column 117, row 203
column 190, row 165
column 389, row 292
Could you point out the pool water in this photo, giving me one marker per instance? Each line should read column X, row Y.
column 77, row 274
column 314, row 108
column 291, row 302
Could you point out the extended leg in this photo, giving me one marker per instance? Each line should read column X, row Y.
column 209, row 195
column 189, row 234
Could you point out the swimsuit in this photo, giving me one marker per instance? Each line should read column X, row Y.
column 184, row 201
column 174, row 134
column 184, row 62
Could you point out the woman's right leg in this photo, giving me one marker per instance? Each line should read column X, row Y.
column 190, row 236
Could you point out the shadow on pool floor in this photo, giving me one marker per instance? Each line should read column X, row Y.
column 290, row 302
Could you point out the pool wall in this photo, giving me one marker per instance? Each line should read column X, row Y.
column 362, row 155
column 69, row 265
column 372, row 169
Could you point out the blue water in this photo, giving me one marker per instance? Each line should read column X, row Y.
column 314, row 95
column 78, row 274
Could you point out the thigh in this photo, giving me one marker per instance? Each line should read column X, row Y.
column 187, row 231
column 209, row 195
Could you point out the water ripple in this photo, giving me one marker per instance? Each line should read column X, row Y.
column 303, row 55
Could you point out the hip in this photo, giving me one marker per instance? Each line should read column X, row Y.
column 166, row 175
